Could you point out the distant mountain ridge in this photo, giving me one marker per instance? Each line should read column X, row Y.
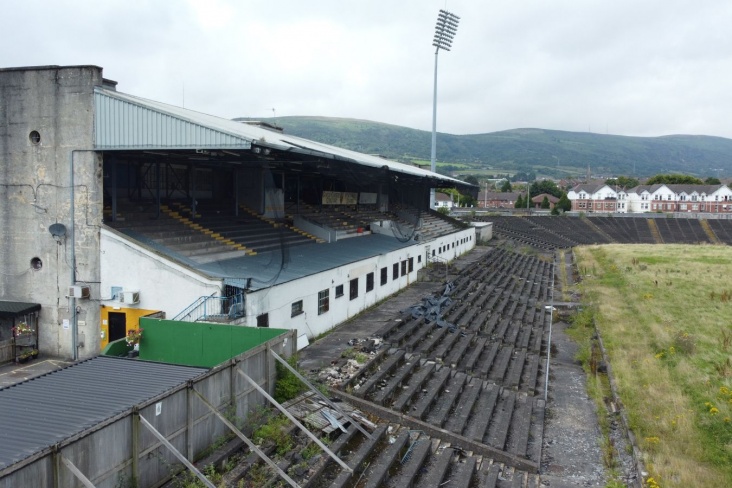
column 522, row 149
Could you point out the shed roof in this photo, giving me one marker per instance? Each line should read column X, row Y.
column 43, row 411
column 127, row 122
column 16, row 309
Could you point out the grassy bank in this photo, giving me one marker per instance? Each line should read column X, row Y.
column 665, row 315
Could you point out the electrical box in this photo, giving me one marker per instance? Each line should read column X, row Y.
column 77, row 291
column 130, row 297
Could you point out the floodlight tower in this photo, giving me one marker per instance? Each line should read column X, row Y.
column 445, row 30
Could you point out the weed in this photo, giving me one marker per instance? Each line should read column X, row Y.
column 352, row 353
column 725, row 340
column 276, row 431
column 258, row 476
column 724, row 368
column 288, row 386
column 311, row 450
column 684, row 342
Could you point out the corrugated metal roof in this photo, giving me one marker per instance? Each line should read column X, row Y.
column 125, row 121
column 45, row 410
column 14, row 309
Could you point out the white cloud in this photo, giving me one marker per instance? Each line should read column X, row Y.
column 636, row 68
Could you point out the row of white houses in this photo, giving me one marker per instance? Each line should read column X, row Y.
column 602, row 198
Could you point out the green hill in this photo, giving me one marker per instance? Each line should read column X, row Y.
column 548, row 152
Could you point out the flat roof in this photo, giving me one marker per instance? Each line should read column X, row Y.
column 43, row 411
column 16, row 309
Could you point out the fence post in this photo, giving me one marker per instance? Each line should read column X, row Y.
column 189, row 424
column 135, row 447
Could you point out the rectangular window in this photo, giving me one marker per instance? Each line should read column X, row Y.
column 339, row 291
column 323, row 301
column 404, row 267
column 369, row 282
column 411, row 264
column 395, row 272
column 354, row 288
column 384, row 276
column 263, row 320
column 296, row 308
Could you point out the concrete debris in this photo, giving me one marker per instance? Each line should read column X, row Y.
column 343, row 369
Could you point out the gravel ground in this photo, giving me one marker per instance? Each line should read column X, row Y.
column 572, row 454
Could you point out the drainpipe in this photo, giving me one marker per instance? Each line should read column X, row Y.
column 72, row 232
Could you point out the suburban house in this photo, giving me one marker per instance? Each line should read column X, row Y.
column 493, row 199
column 594, row 197
column 601, row 198
column 538, row 199
column 443, row 200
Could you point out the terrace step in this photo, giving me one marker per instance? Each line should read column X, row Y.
column 379, row 469
column 459, row 418
column 356, row 459
column 396, row 380
column 415, row 384
column 437, row 469
column 413, row 463
column 501, row 423
column 485, row 405
column 445, row 401
column 430, row 393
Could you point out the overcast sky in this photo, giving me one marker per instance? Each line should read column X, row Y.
column 630, row 67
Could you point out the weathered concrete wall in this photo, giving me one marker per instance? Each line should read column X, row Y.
column 37, row 189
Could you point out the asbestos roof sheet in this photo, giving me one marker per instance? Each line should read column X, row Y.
column 43, row 411
column 124, row 122
column 16, row 309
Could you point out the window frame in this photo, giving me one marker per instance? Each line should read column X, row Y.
column 323, row 301
column 353, row 289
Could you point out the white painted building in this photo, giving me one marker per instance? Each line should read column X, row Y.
column 598, row 198
column 652, row 198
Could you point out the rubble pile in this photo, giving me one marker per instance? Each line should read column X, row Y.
column 360, row 352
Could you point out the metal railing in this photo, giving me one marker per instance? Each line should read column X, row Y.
column 214, row 308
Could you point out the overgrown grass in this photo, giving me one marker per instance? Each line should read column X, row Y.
column 666, row 330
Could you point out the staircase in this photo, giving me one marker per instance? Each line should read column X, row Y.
column 654, row 231
column 214, row 309
column 708, row 231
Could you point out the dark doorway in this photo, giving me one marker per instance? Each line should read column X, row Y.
column 117, row 325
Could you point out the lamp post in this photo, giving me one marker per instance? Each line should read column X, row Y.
column 445, row 30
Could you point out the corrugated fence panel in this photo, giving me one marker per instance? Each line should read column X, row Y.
column 120, row 124
column 104, row 453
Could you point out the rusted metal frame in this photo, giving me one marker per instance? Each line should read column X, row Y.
column 287, row 414
column 246, row 440
column 175, row 452
column 317, row 392
column 75, row 471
